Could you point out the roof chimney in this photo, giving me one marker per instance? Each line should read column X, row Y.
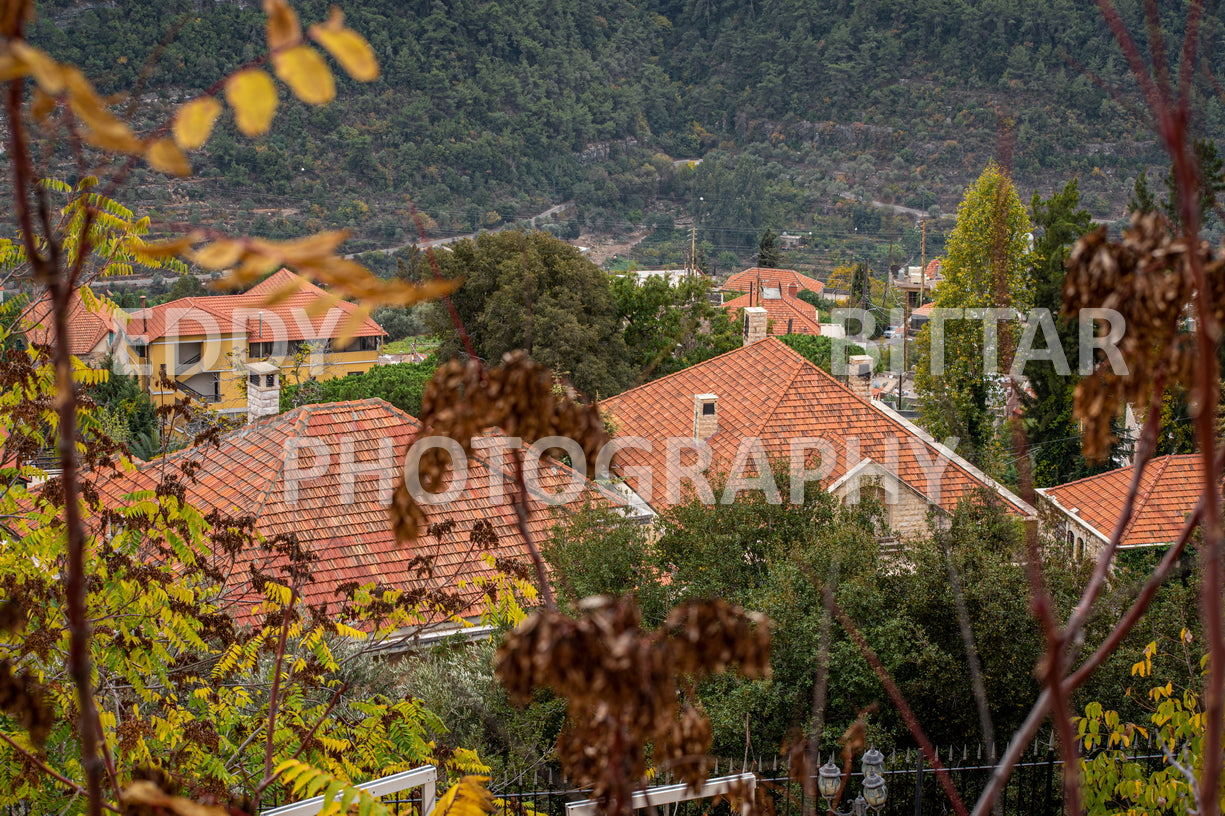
column 793, row 290
column 705, row 415
column 755, row 322
column 263, row 390
column 144, row 316
column 859, row 375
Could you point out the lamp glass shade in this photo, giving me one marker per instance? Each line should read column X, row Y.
column 874, row 791
column 873, row 762
column 829, row 779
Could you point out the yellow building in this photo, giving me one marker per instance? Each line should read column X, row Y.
column 204, row 347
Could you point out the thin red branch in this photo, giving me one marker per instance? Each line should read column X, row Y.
column 322, row 718
column 274, row 697
column 1024, row 735
column 42, row 766
column 899, row 700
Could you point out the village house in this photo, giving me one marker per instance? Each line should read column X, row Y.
column 765, row 405
column 91, row 325
column 1084, row 513
column 781, row 279
column 785, row 312
column 213, row 348
column 324, row 474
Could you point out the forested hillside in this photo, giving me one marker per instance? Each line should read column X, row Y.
column 803, row 112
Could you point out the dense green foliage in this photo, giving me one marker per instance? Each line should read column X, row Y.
column 776, row 558
column 531, row 291
column 122, row 408
column 987, row 266
column 1053, row 432
column 484, row 117
column 667, row 328
column 819, row 349
column 401, row 384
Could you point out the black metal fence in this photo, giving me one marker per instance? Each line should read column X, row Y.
column 1034, row 787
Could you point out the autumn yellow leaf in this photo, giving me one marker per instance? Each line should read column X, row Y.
column 12, row 68
column 301, row 250
column 255, row 265
column 219, row 254
column 164, row 155
column 99, row 127
column 347, row 47
column 284, row 30
column 252, row 95
column 306, row 74
column 41, row 105
column 351, row 325
column 469, row 797
column 193, row 123
column 144, row 792
column 284, row 293
column 47, row 72
column 159, row 250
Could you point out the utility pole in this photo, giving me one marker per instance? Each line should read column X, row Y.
column 922, row 259
column 693, row 249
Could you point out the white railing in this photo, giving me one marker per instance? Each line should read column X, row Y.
column 671, row 794
column 425, row 777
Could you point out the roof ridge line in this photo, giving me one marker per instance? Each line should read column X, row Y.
column 782, row 394
column 1141, row 501
column 954, row 457
column 299, row 425
column 736, row 350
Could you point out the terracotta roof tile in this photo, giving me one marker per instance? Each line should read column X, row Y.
column 1170, row 487
column 768, row 391
column 324, row 473
column 787, row 315
column 782, row 278
column 241, row 314
column 86, row 327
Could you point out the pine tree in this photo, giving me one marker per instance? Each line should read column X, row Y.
column 1052, row 430
column 768, row 254
column 986, row 266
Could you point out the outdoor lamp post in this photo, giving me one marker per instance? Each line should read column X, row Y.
column 874, row 794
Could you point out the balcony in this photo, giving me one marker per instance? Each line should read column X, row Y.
column 188, row 358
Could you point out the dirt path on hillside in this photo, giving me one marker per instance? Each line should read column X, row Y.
column 603, row 250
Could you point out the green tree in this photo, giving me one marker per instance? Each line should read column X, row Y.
column 986, row 266
column 777, row 558
column 769, row 256
column 532, row 291
column 861, row 286
column 818, row 349
column 401, row 384
column 123, row 407
column 187, row 285
column 1053, row 432
column 666, row 328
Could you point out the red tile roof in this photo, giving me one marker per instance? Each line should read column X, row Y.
column 782, row 278
column 86, row 327
column 787, row 315
column 292, row 318
column 1170, row 487
column 768, row 391
column 348, row 456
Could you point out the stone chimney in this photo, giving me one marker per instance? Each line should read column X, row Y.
column 263, row 391
column 859, row 375
column 793, row 290
column 705, row 415
column 755, row 322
